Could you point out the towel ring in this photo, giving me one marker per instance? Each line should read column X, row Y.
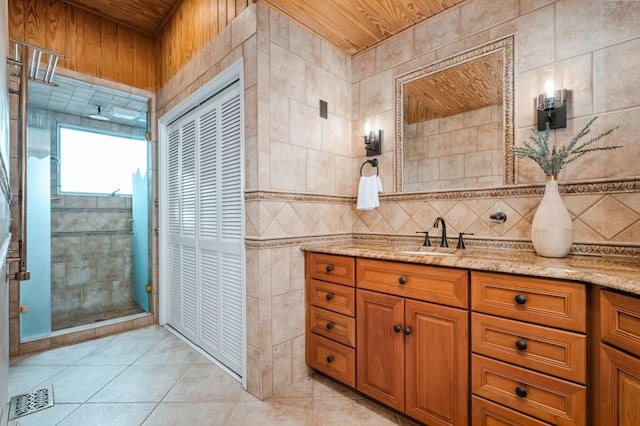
column 374, row 163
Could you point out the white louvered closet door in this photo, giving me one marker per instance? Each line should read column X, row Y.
column 205, row 271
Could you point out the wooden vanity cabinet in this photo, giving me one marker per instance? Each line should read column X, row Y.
column 528, row 349
column 330, row 316
column 618, row 369
column 413, row 354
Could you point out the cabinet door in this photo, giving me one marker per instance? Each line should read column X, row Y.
column 437, row 348
column 380, row 327
column 619, row 388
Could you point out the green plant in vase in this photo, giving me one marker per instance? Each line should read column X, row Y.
column 552, row 228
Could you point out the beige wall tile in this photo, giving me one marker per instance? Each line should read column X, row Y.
column 287, row 73
column 288, row 316
column 321, row 173
column 396, row 50
column 282, row 365
column 482, row 14
column 334, row 61
column 305, row 125
column 438, row 31
column 320, row 86
column 376, row 94
column 243, row 26
column 288, row 167
column 588, row 26
column 279, row 118
column 305, row 44
column 278, row 29
column 614, row 87
column 452, row 166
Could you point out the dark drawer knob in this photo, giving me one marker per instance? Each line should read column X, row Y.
column 521, row 299
column 330, row 359
column 329, row 296
column 521, row 392
column 407, row 331
column 402, row 280
column 329, row 326
column 397, row 328
column 521, row 345
column 329, row 268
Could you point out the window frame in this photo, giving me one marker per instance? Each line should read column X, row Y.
column 86, row 129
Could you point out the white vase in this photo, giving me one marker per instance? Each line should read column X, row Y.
column 552, row 229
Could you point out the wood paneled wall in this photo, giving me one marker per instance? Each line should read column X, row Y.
column 95, row 46
column 192, row 25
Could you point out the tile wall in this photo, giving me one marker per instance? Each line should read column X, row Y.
column 301, row 172
column 584, row 49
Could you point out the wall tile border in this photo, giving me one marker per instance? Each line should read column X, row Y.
column 589, row 187
column 296, row 197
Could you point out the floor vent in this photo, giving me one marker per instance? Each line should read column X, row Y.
column 30, row 402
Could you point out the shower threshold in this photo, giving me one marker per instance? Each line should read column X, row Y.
column 86, row 317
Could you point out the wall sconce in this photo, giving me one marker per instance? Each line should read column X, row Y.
column 372, row 140
column 552, row 108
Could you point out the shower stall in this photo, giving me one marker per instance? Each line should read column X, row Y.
column 88, row 251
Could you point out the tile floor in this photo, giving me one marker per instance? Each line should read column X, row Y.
column 150, row 376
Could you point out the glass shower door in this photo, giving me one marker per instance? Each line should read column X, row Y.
column 35, row 294
column 140, row 213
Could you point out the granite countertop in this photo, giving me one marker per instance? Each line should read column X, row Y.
column 616, row 272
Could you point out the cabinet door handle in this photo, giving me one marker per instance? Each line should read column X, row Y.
column 521, row 299
column 402, row 280
column 329, row 296
column 329, row 268
column 407, row 331
column 521, row 345
column 329, row 326
column 330, row 359
column 521, row 392
column 397, row 328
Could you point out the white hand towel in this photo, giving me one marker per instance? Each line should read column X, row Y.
column 368, row 192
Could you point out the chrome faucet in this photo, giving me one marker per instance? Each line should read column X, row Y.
column 443, row 241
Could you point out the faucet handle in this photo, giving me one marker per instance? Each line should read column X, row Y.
column 426, row 243
column 461, row 240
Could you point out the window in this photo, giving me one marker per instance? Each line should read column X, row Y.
column 92, row 162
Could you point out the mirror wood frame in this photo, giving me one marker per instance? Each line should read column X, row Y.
column 503, row 45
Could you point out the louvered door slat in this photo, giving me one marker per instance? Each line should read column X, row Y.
column 174, row 182
column 210, row 301
column 208, row 166
column 231, row 194
column 188, row 179
column 231, row 311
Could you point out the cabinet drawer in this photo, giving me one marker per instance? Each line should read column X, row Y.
column 547, row 398
column 332, row 268
column 333, row 359
column 556, row 352
column 334, row 326
column 448, row 286
column 548, row 302
column 620, row 321
column 486, row 413
column 337, row 298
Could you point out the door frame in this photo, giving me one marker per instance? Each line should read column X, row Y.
column 230, row 74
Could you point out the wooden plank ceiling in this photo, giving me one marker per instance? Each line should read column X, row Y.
column 466, row 87
column 354, row 25
column 350, row 25
column 146, row 16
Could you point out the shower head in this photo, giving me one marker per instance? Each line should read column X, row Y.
column 99, row 115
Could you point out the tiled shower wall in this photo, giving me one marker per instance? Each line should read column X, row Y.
column 91, row 243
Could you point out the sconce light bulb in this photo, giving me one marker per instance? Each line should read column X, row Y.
column 549, row 88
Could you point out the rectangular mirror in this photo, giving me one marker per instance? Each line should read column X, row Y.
column 454, row 122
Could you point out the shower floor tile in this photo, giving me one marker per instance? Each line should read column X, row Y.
column 64, row 320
